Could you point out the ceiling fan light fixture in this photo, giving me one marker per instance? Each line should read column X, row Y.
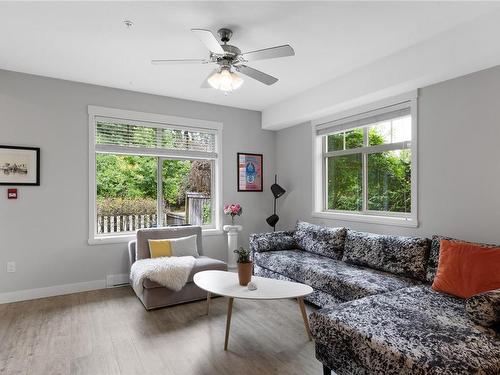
column 225, row 80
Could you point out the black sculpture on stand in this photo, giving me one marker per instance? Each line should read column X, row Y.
column 277, row 191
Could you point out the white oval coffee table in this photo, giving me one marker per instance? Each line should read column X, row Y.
column 226, row 284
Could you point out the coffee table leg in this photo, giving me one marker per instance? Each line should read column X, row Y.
column 300, row 300
column 208, row 302
column 228, row 321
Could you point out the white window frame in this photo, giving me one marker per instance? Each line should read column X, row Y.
column 319, row 167
column 137, row 118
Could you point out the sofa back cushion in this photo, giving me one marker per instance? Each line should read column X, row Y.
column 434, row 254
column 403, row 256
column 321, row 240
column 363, row 249
column 272, row 241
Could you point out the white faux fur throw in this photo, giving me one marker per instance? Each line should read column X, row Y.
column 171, row 272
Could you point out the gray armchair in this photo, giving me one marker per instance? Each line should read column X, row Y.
column 155, row 295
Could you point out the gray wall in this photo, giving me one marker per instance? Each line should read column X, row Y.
column 458, row 163
column 45, row 231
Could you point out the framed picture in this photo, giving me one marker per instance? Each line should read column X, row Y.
column 19, row 165
column 250, row 172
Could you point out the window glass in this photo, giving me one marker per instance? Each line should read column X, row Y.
column 353, row 138
column 345, row 182
column 140, row 136
column 389, row 181
column 126, row 192
column 345, row 140
column 335, row 142
column 112, row 133
column 391, row 131
column 187, row 195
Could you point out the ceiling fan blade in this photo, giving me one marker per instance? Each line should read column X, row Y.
column 269, row 53
column 180, row 61
column 257, row 75
column 205, row 84
column 209, row 40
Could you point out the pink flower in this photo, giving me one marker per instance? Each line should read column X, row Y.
column 233, row 209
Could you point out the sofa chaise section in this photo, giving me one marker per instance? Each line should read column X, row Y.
column 413, row 331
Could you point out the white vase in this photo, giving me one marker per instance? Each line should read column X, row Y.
column 232, row 243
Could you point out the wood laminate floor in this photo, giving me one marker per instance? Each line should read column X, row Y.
column 109, row 332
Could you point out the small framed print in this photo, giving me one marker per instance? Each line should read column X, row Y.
column 250, row 172
column 19, row 165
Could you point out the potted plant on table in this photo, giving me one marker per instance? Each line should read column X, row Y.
column 245, row 266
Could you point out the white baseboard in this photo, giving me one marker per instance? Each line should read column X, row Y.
column 59, row 290
column 50, row 291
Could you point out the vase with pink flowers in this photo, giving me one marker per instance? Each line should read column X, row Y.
column 233, row 210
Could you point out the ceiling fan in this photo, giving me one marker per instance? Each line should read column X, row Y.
column 230, row 61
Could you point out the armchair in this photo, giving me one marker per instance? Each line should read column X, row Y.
column 155, row 295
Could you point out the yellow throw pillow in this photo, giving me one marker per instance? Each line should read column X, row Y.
column 160, row 248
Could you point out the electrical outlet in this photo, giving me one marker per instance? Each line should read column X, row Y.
column 11, row 266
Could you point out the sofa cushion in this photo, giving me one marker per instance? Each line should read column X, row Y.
column 434, row 254
column 280, row 240
column 403, row 256
column 465, row 269
column 363, row 248
column 317, row 297
column 410, row 331
column 342, row 280
column 202, row 263
column 484, row 308
column 319, row 239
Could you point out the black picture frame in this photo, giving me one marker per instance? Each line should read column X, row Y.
column 261, row 156
column 36, row 150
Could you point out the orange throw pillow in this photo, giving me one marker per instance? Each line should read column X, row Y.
column 465, row 269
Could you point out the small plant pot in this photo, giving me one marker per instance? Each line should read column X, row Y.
column 245, row 273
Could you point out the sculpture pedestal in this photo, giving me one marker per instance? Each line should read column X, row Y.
column 232, row 243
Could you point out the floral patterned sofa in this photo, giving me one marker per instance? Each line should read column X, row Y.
column 379, row 314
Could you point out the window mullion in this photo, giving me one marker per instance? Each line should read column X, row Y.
column 365, row 182
column 159, row 192
column 371, row 149
column 324, row 168
column 213, row 202
column 325, row 183
column 364, row 166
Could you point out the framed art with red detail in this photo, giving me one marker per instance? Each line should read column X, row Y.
column 250, row 172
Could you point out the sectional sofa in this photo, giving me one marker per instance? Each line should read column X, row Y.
column 379, row 314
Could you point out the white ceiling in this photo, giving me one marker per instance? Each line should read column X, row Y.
column 88, row 42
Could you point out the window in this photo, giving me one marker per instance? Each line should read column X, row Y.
column 366, row 166
column 151, row 171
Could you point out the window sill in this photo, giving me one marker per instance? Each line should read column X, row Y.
column 372, row 219
column 124, row 238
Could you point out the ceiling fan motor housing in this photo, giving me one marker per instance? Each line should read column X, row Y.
column 225, row 34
